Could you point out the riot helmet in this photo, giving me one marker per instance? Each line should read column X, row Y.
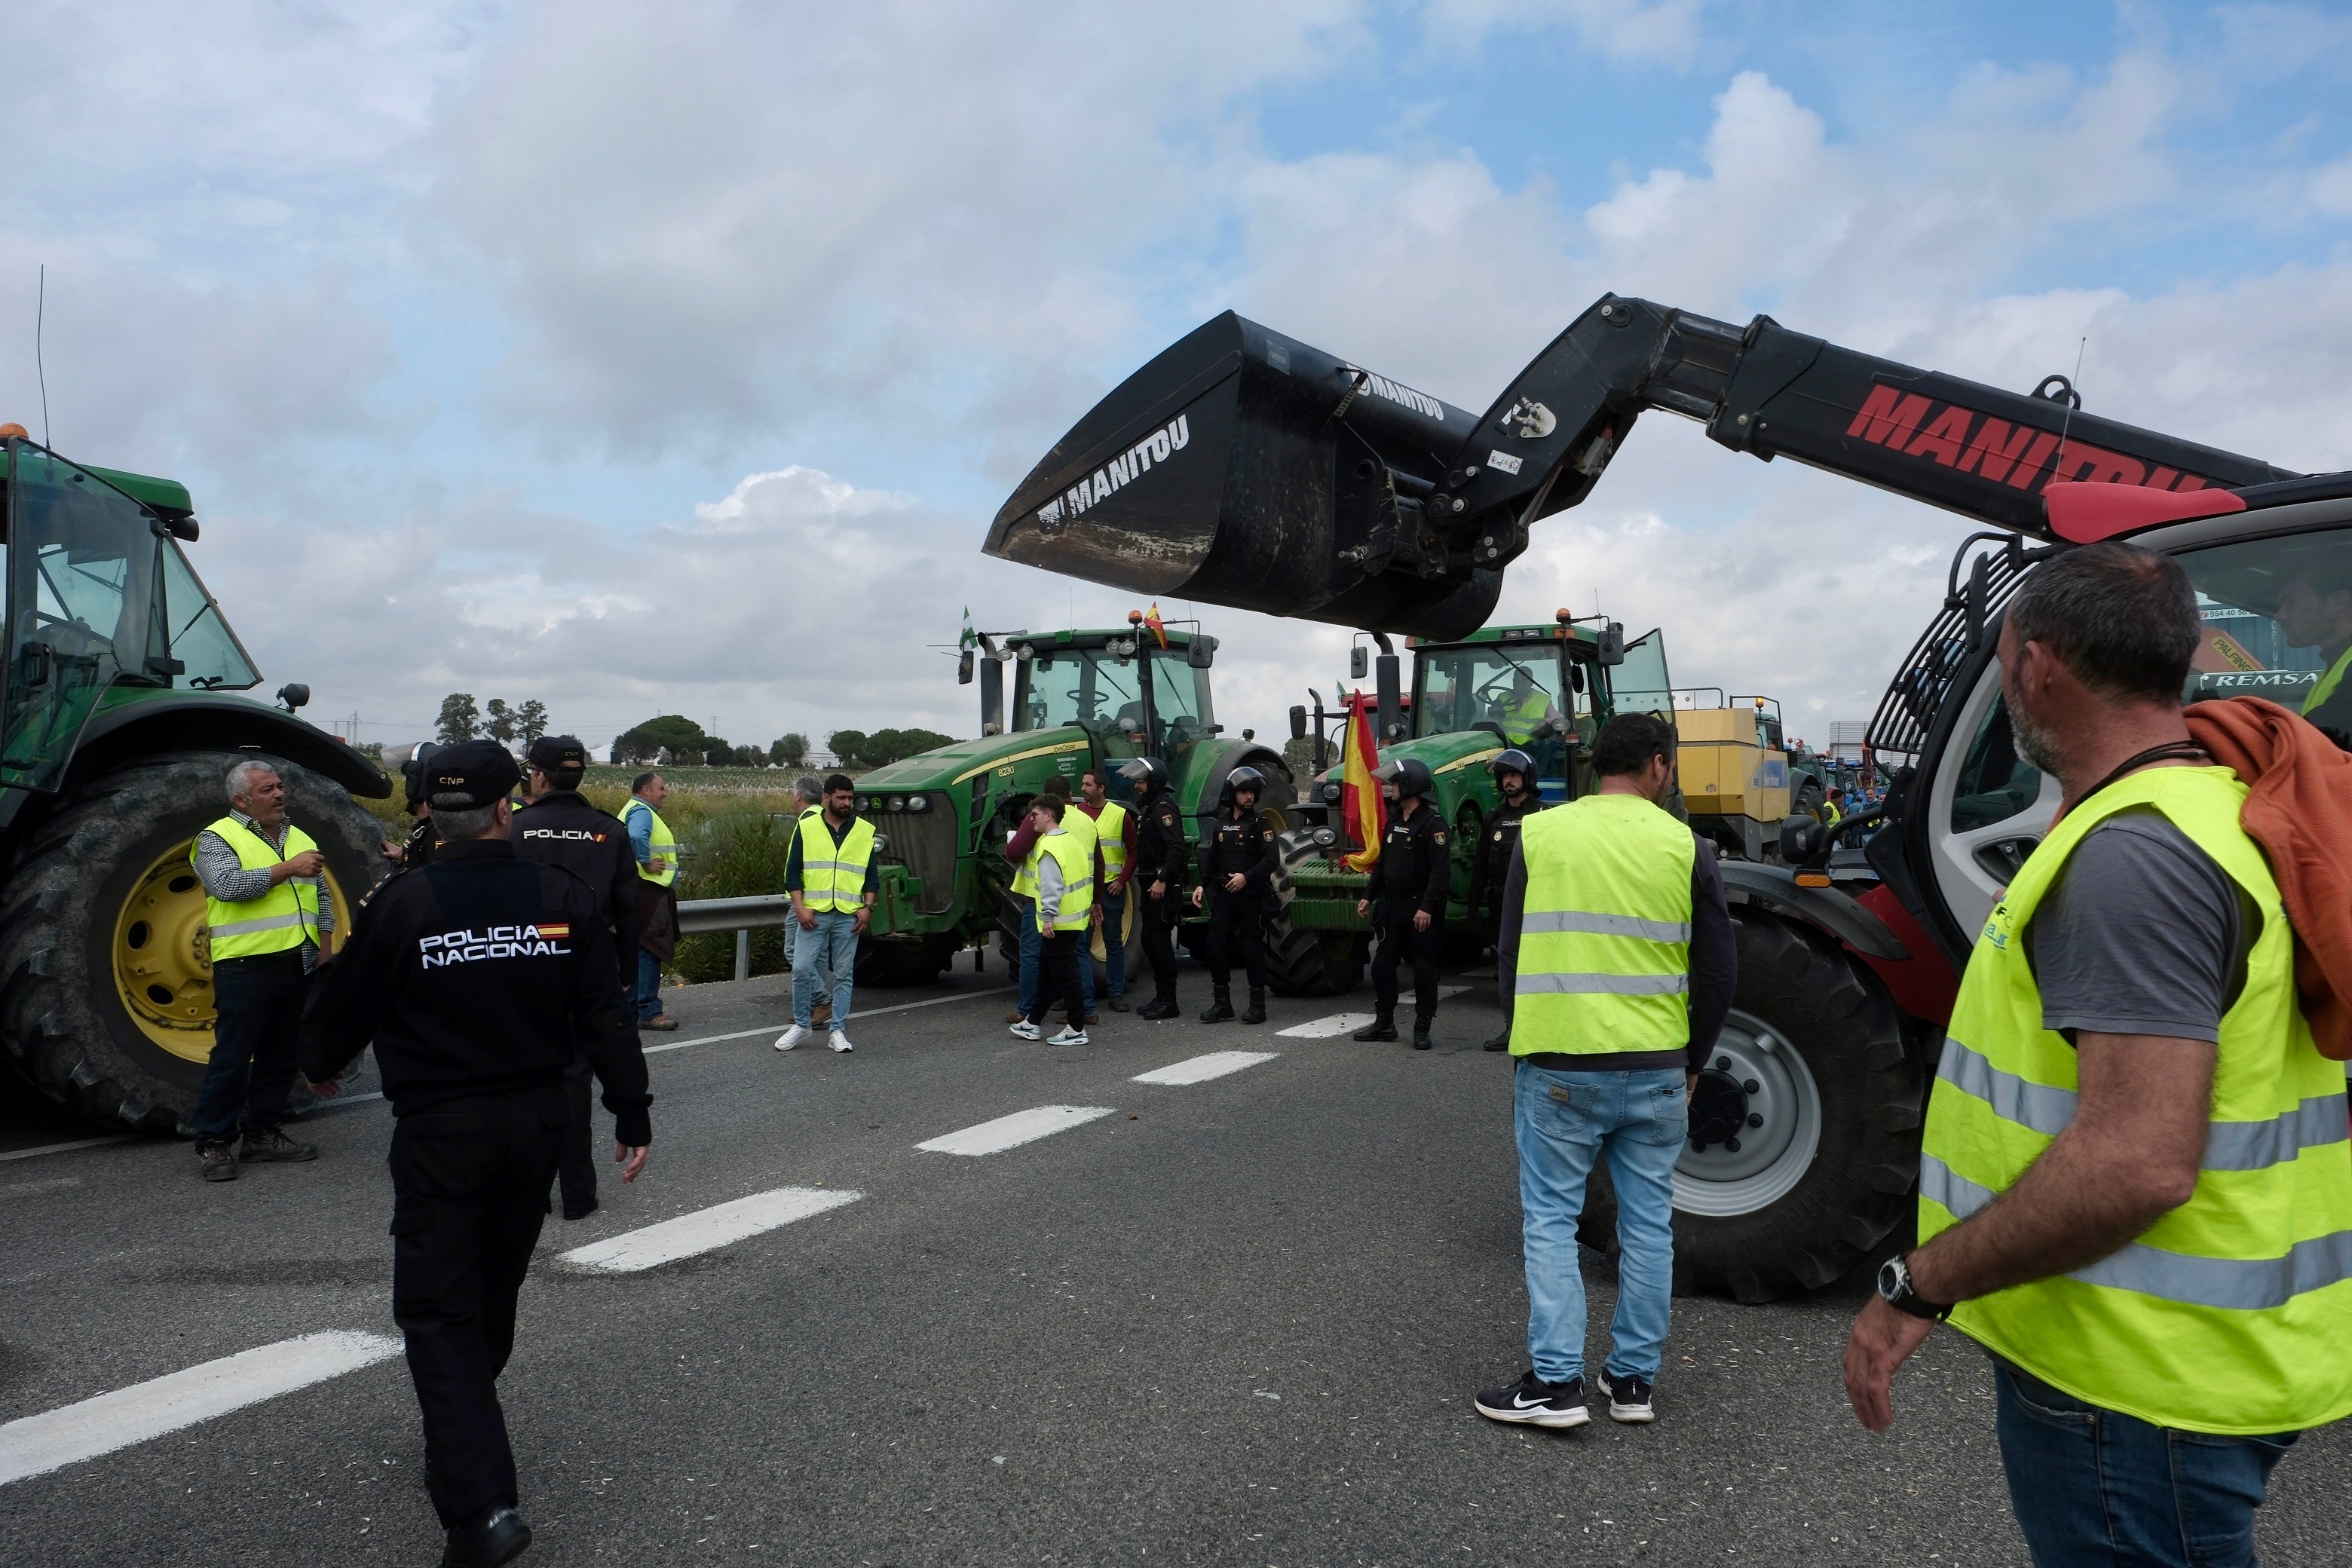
column 1244, row 778
column 413, row 783
column 1149, row 774
column 1514, row 761
column 1411, row 776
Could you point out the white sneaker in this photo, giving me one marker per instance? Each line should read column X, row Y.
column 1069, row 1036
column 840, row 1041
column 793, row 1037
column 1028, row 1031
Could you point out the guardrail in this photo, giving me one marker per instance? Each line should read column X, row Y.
column 701, row 917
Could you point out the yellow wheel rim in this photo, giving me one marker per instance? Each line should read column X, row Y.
column 164, row 960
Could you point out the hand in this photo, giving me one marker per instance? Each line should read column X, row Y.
column 328, row 1090
column 1196, row 897
column 396, row 853
column 1045, row 928
column 1363, row 907
column 1882, row 1340
column 807, row 918
column 1420, row 920
column 1097, row 920
column 657, row 864
column 631, row 1160
column 1236, row 882
column 1159, row 888
column 865, row 918
column 1690, row 1085
column 309, row 863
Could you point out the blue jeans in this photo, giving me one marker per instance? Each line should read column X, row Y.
column 648, row 994
column 250, row 1073
column 833, row 947
column 2094, row 1485
column 1113, row 908
column 1032, row 944
column 1565, row 1122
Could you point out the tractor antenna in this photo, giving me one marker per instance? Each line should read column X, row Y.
column 2081, row 344
column 40, row 318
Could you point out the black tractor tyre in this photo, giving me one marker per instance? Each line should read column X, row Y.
column 890, row 964
column 1807, row 801
column 64, row 1024
column 1301, row 962
column 1858, row 1189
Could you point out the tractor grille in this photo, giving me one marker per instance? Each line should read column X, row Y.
column 1907, row 713
column 925, row 843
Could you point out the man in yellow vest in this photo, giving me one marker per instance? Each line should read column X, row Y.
column 830, row 873
column 270, row 917
column 1066, row 870
column 808, row 800
column 1115, row 830
column 1619, row 952
column 656, row 849
column 2318, row 615
column 2134, row 1189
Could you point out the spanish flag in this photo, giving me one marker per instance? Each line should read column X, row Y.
column 1361, row 806
column 1151, row 624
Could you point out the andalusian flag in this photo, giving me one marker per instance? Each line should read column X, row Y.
column 1361, row 806
column 1151, row 624
column 970, row 638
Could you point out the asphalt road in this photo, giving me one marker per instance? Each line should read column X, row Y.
column 1234, row 1321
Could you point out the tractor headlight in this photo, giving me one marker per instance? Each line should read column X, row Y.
column 1326, row 838
column 1331, row 792
column 896, row 802
column 919, row 802
column 864, row 802
column 881, row 842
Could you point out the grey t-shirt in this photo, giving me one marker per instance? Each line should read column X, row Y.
column 2142, row 935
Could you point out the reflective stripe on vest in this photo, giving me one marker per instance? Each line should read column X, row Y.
column 1075, row 856
column 2325, row 688
column 1110, row 828
column 1522, row 719
column 1604, row 940
column 832, row 876
column 662, row 843
column 285, row 917
column 2228, row 1315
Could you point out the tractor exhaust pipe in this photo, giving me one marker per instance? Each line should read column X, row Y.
column 1244, row 468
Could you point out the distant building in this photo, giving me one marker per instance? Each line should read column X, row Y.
column 1846, row 737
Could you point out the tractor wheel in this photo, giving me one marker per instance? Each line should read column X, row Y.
column 1804, row 1144
column 106, row 991
column 1808, row 802
column 1306, row 963
column 890, row 964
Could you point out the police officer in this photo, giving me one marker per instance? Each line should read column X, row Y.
column 1409, row 885
column 1159, row 870
column 477, row 979
column 418, row 849
column 1515, row 790
column 1236, row 871
column 560, row 828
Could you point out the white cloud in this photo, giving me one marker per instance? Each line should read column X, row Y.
column 1666, row 30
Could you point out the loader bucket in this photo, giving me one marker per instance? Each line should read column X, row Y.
column 1244, row 468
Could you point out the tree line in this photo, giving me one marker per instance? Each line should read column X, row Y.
column 460, row 720
column 673, row 740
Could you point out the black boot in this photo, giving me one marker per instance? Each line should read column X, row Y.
column 1501, row 1042
column 1381, row 1028
column 498, row 1536
column 1161, row 1005
column 1256, row 1014
column 1221, row 1009
column 1421, row 1040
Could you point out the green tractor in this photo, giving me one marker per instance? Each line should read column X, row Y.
column 1545, row 689
column 1079, row 701
column 119, row 717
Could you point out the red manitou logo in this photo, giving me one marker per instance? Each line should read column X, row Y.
column 1994, row 449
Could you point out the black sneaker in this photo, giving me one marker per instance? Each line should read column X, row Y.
column 1532, row 1402
column 1629, row 1397
column 275, row 1145
column 216, row 1162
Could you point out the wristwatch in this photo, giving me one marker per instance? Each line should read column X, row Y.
column 1895, row 1290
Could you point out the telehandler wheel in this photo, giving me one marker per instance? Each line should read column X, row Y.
column 105, row 994
column 1804, row 1139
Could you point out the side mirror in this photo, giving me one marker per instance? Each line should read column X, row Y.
column 1360, row 662
column 1201, row 652
column 294, row 694
column 1801, row 839
column 1299, row 721
column 1611, row 645
column 964, row 662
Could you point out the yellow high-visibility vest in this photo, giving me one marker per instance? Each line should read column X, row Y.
column 286, row 916
column 832, row 876
column 1524, row 717
column 2327, row 683
column 1605, row 942
column 1075, row 856
column 1110, row 829
column 1074, row 823
column 2229, row 1314
column 663, row 844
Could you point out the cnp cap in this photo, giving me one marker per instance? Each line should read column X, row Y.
column 557, row 753
column 470, row 776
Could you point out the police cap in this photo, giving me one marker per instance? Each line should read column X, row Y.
column 557, row 753
column 470, row 776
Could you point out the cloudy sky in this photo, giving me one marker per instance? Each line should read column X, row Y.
column 646, row 359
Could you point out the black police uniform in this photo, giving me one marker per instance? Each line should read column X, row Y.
column 1241, row 842
column 477, row 979
column 560, row 828
column 1490, row 876
column 1412, row 875
column 1159, row 856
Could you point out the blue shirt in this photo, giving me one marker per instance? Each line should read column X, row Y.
column 641, row 829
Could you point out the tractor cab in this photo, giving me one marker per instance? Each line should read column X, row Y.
column 1543, row 689
column 1131, row 697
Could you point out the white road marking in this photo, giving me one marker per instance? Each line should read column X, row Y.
column 71, row 1434
column 704, row 1230
column 1201, row 1069
column 1324, row 1029
column 1011, row 1131
column 61, row 1148
column 856, row 1015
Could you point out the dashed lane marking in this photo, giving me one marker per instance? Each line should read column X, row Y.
column 1324, row 1029
column 704, row 1230
column 1011, row 1131
column 71, row 1434
column 856, row 1016
column 1201, row 1069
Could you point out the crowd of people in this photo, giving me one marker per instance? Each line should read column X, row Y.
column 2132, row 1191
